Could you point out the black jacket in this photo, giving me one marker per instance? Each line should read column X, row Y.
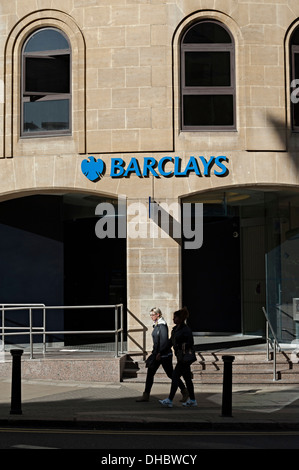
column 181, row 334
column 160, row 338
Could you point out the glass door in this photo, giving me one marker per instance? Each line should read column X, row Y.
column 282, row 264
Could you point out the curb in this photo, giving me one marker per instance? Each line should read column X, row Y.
column 157, row 426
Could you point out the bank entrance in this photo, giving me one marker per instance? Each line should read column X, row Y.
column 249, row 259
column 50, row 254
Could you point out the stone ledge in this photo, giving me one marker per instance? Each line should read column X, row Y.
column 92, row 369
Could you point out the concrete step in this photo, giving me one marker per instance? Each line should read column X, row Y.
column 248, row 367
column 218, row 366
column 212, row 343
column 282, row 377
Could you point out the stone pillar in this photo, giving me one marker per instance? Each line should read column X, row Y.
column 153, row 274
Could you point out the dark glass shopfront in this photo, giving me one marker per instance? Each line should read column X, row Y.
column 50, row 254
column 249, row 260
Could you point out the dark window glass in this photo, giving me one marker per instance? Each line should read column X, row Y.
column 295, row 38
column 46, row 84
column 207, row 77
column 207, row 32
column 48, row 75
column 46, row 40
column 296, row 65
column 208, row 110
column 46, row 115
column 295, row 106
column 296, row 115
column 294, row 75
column 207, row 69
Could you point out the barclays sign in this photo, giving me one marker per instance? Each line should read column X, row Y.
column 166, row 167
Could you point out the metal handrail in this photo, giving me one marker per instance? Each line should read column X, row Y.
column 268, row 340
column 21, row 306
column 44, row 332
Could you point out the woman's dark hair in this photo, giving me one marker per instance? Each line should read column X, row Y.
column 182, row 314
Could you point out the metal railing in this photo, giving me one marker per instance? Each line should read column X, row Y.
column 41, row 330
column 274, row 343
column 18, row 306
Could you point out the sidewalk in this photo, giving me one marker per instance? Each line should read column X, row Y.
column 107, row 405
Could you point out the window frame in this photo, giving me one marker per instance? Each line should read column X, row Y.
column 45, row 96
column 208, row 90
column 294, row 50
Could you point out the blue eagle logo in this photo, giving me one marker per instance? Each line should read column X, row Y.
column 93, row 169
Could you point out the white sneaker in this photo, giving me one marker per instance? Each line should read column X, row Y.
column 190, row 403
column 166, row 402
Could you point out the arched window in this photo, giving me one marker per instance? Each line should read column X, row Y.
column 207, row 78
column 46, row 84
column 294, row 66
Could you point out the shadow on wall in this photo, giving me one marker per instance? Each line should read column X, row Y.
column 282, row 130
column 142, row 329
column 288, row 138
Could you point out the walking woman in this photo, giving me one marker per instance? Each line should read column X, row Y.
column 182, row 341
column 161, row 355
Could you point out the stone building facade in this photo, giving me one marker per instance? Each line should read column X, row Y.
column 127, row 101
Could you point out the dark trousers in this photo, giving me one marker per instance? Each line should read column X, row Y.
column 182, row 369
column 168, row 368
